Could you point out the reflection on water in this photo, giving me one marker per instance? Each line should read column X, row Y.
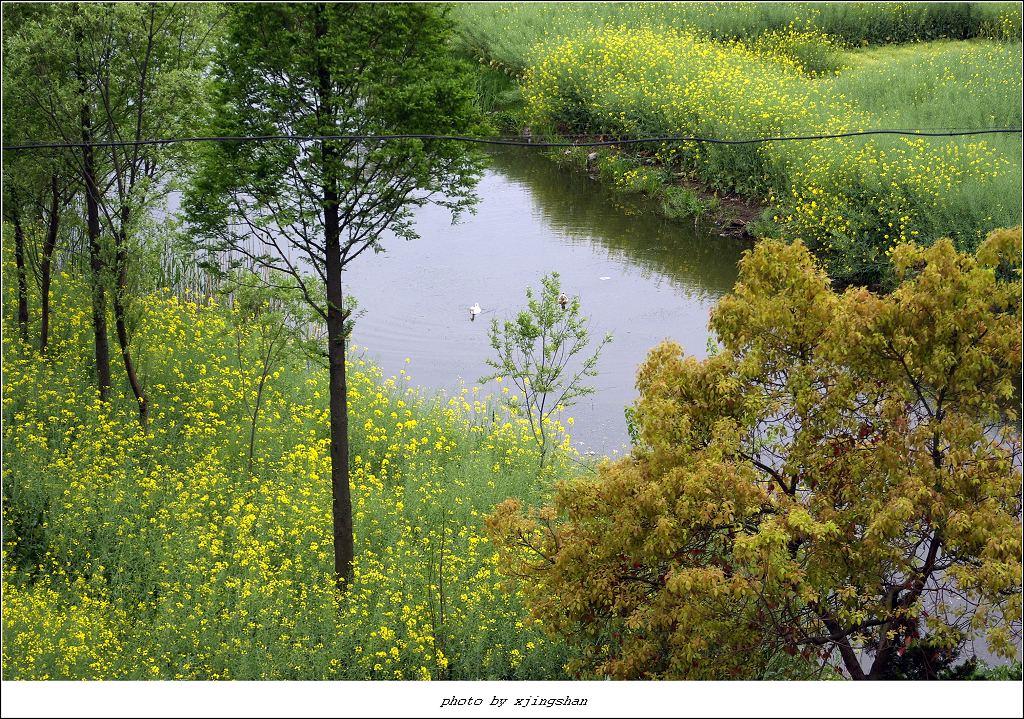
column 630, row 231
column 638, row 277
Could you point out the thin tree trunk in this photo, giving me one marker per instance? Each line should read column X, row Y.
column 49, row 244
column 129, row 365
column 19, row 258
column 121, row 260
column 121, row 237
column 99, row 296
column 340, row 491
column 259, row 399
column 887, row 648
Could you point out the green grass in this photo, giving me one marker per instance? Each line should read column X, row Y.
column 926, row 84
column 947, row 85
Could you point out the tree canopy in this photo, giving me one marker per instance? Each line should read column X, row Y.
column 105, row 76
column 310, row 207
column 318, row 69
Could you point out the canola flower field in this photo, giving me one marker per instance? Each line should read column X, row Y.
column 160, row 555
column 850, row 200
column 504, row 33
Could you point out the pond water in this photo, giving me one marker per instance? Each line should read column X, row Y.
column 638, row 276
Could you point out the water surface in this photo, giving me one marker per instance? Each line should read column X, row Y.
column 638, row 276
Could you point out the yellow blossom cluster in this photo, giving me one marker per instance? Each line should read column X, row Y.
column 170, row 553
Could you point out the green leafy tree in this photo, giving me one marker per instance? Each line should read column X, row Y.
column 314, row 206
column 13, row 203
column 535, row 351
column 39, row 196
column 37, row 187
column 100, row 74
column 843, row 476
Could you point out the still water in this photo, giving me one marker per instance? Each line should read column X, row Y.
column 638, row 277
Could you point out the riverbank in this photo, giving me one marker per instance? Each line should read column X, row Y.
column 187, row 552
column 675, row 198
column 850, row 200
column 190, row 551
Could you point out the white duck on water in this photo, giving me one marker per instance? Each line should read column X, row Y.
column 474, row 311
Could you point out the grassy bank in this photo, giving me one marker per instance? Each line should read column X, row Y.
column 166, row 555
column 850, row 200
column 505, row 33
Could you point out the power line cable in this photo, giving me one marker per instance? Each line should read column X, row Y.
column 515, row 142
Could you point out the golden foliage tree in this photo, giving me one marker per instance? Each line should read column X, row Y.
column 840, row 481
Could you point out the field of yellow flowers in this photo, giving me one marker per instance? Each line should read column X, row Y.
column 850, row 200
column 503, row 33
column 161, row 555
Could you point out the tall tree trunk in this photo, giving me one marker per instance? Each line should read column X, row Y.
column 99, row 297
column 341, row 492
column 19, row 259
column 120, row 292
column 49, row 244
column 121, row 232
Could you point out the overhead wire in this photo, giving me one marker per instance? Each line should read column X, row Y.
column 519, row 141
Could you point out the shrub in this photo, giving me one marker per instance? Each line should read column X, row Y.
column 813, row 52
column 820, row 485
